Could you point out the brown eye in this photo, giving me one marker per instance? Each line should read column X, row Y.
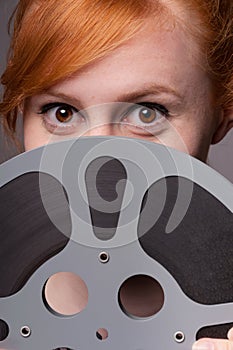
column 64, row 114
column 147, row 115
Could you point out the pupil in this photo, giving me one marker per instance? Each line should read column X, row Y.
column 147, row 115
column 63, row 114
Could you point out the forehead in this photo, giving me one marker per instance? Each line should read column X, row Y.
column 161, row 54
column 69, row 41
column 165, row 37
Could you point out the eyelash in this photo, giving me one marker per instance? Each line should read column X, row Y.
column 46, row 108
column 154, row 106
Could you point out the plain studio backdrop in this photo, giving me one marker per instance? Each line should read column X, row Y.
column 220, row 155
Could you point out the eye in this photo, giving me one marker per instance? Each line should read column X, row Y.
column 64, row 114
column 61, row 117
column 146, row 115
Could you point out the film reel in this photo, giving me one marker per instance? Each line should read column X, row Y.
column 146, row 229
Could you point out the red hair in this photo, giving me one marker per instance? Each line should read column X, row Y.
column 211, row 24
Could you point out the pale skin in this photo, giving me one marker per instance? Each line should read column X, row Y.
column 154, row 68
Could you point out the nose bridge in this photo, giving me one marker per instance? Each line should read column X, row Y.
column 100, row 121
column 100, row 129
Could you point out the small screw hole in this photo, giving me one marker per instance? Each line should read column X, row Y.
column 103, row 257
column 179, row 337
column 102, row 334
column 25, row 331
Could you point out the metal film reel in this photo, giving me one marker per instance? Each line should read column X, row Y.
column 118, row 213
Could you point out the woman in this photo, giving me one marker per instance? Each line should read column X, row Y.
column 161, row 70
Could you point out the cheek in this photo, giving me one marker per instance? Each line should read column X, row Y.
column 180, row 136
column 34, row 134
column 189, row 135
column 199, row 141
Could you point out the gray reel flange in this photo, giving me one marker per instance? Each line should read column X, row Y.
column 115, row 212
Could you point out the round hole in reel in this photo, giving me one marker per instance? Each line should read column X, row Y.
column 141, row 296
column 4, row 330
column 65, row 294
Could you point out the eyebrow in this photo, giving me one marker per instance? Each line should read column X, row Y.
column 148, row 89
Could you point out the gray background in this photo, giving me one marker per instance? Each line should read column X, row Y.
column 220, row 155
